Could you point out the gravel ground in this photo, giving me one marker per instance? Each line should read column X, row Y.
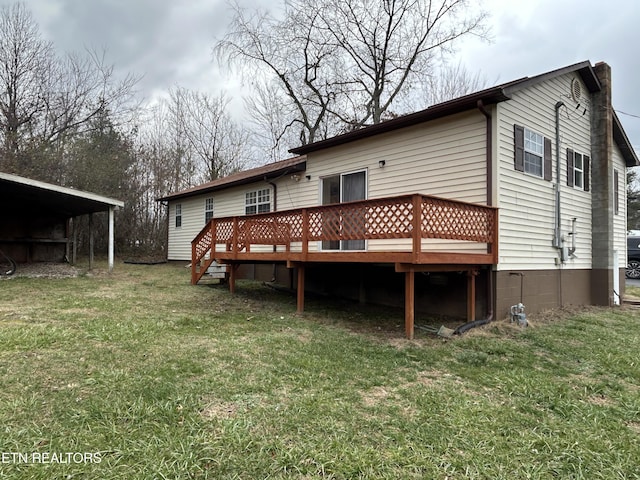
column 44, row 270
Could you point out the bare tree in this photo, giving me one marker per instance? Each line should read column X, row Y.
column 342, row 64
column 388, row 43
column 288, row 52
column 217, row 143
column 45, row 98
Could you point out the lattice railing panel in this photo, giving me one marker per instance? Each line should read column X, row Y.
column 366, row 220
column 451, row 220
column 224, row 230
column 385, row 218
column 203, row 243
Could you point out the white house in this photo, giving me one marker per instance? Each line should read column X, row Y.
column 511, row 194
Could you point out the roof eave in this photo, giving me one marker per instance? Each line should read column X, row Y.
column 28, row 182
column 621, row 139
column 206, row 188
column 468, row 102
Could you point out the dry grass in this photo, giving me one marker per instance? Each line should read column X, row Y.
column 167, row 380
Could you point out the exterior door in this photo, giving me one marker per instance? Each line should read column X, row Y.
column 342, row 188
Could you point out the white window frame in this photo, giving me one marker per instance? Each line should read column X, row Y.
column 178, row 215
column 208, row 209
column 257, row 201
column 533, row 149
column 578, row 172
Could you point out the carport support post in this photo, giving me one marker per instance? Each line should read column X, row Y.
column 74, row 254
column 91, row 241
column 111, row 237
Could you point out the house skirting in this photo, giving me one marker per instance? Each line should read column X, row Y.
column 541, row 290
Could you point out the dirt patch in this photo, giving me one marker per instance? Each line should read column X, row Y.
column 219, row 410
column 601, row 400
column 44, row 270
column 634, row 426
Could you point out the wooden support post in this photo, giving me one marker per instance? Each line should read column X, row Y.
column 67, row 251
column 409, row 302
column 74, row 251
column 305, row 233
column 194, row 262
column 234, row 238
column 300, row 289
column 417, row 227
column 232, row 277
column 471, row 295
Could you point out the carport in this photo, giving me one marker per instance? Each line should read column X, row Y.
column 36, row 217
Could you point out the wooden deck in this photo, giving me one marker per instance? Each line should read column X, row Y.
column 413, row 232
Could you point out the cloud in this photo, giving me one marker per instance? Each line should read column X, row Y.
column 169, row 42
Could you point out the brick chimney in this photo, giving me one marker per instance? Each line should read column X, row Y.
column 602, row 208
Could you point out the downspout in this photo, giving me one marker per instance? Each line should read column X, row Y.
column 557, row 234
column 489, row 179
column 489, row 151
column 274, row 209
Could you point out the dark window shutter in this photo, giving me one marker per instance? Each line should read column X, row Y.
column 518, row 133
column 586, row 164
column 547, row 159
column 570, row 172
column 616, row 192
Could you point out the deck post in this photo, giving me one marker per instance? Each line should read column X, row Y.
column 232, row 277
column 194, row 273
column 235, row 236
column 409, row 302
column 471, row 295
column 417, row 227
column 300, row 289
column 305, row 233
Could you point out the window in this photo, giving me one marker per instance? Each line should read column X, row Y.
column 178, row 215
column 532, row 153
column 257, row 202
column 577, row 170
column 208, row 209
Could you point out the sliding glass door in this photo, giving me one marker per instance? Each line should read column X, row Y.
column 347, row 187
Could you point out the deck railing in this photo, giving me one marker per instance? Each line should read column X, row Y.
column 290, row 232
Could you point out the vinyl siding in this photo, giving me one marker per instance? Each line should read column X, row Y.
column 526, row 202
column 620, row 219
column 443, row 158
column 179, row 239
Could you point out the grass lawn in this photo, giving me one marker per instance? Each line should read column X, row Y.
column 154, row 378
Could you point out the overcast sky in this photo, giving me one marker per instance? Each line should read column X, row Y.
column 169, row 42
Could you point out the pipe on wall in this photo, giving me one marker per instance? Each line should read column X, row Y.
column 489, row 151
column 557, row 234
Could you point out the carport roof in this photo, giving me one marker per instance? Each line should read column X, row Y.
column 32, row 195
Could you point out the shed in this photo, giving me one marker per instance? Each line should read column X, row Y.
column 34, row 224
